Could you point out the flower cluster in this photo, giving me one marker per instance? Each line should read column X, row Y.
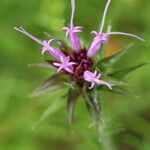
column 79, row 63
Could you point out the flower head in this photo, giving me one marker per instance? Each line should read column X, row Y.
column 78, row 63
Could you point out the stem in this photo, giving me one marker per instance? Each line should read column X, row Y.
column 104, row 137
column 98, row 120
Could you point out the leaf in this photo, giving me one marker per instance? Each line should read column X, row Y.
column 118, row 90
column 48, row 85
column 42, row 65
column 109, row 61
column 57, row 104
column 122, row 73
column 114, row 81
column 72, row 99
column 93, row 102
column 87, row 98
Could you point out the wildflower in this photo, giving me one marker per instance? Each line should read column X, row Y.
column 93, row 78
column 55, row 52
column 78, row 65
column 81, row 62
column 104, row 37
column 65, row 64
column 72, row 30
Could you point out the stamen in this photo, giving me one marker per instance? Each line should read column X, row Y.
column 22, row 30
column 104, row 16
column 72, row 12
column 126, row 34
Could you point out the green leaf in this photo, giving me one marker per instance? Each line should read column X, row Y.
column 118, row 90
column 49, row 85
column 122, row 73
column 93, row 102
column 72, row 99
column 42, row 65
column 114, row 81
column 109, row 61
column 56, row 105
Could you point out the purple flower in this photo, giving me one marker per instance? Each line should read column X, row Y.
column 72, row 30
column 93, row 78
column 65, row 64
column 103, row 37
column 55, row 52
column 78, row 63
column 97, row 43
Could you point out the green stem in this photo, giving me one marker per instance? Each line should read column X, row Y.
column 104, row 137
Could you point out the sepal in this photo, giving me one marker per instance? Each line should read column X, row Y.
column 73, row 96
column 49, row 85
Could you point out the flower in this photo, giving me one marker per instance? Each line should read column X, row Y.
column 103, row 37
column 72, row 31
column 55, row 52
column 93, row 78
column 97, row 43
column 76, row 68
column 65, row 64
column 79, row 63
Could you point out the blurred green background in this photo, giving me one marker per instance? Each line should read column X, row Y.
column 41, row 123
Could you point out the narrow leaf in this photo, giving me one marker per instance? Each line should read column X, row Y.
column 118, row 90
column 95, row 112
column 93, row 102
column 87, row 99
column 109, row 61
column 42, row 65
column 48, row 85
column 72, row 99
column 56, row 105
column 122, row 73
column 114, row 81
